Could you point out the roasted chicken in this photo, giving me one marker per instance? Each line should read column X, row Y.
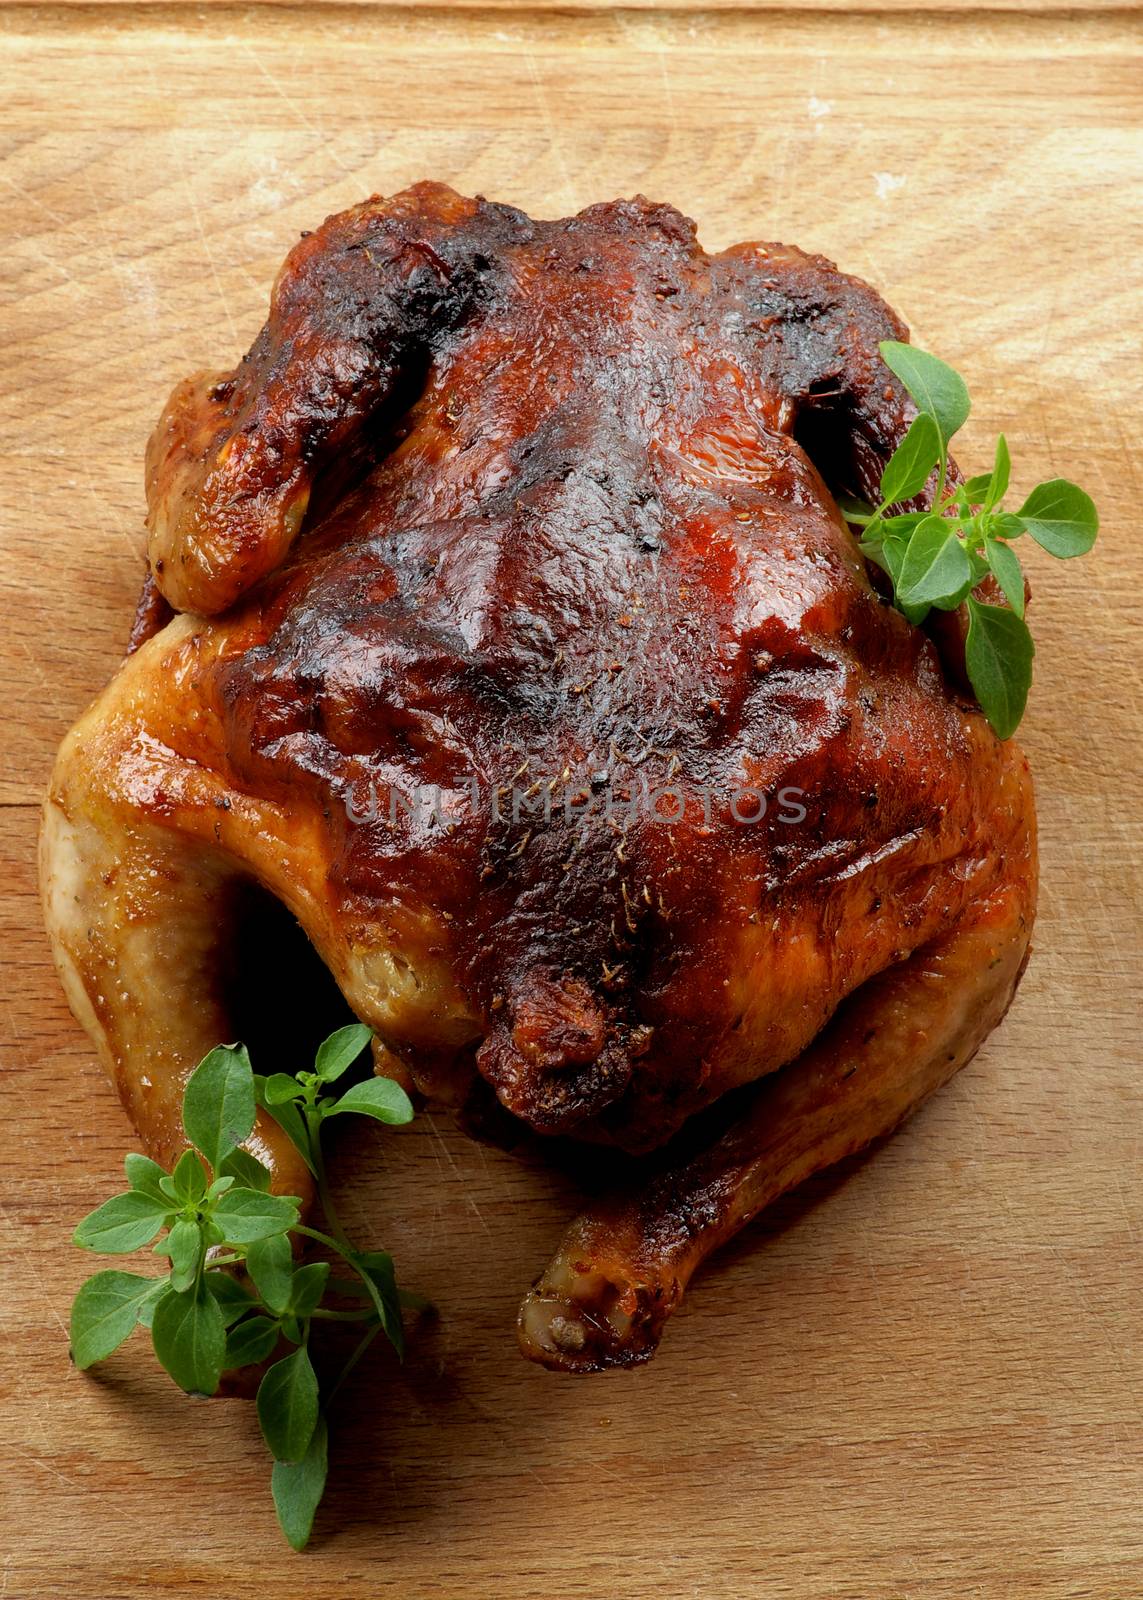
column 502, row 625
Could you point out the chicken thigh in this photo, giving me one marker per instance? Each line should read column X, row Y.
column 503, row 626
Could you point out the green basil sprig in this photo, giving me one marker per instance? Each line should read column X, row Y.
column 936, row 558
column 218, row 1218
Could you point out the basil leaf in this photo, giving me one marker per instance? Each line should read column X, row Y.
column 875, row 552
column 979, row 565
column 218, row 1103
column 124, row 1223
column 893, row 553
column 280, row 1087
column 377, row 1265
column 298, row 1486
column 1001, row 471
column 934, row 386
column 902, row 525
column 289, row 1118
column 307, row 1288
column 910, row 466
column 245, row 1215
column 1005, row 525
column 998, row 655
column 958, row 596
column 889, row 557
column 251, row 1341
column 935, row 566
column 1061, row 518
column 341, row 1050
column 246, row 1170
column 184, row 1246
column 147, row 1309
column 106, row 1311
column 974, row 491
column 232, row 1297
column 377, row 1097
column 1005, row 564
column 270, row 1263
column 144, row 1174
column 189, row 1178
column 288, row 1406
column 190, row 1340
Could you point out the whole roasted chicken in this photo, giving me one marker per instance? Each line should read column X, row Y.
column 502, row 625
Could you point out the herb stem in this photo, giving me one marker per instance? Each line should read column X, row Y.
column 356, row 1355
column 347, row 1253
column 325, row 1238
column 342, row 1316
column 941, row 478
column 326, row 1198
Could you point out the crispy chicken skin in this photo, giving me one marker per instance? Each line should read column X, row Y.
column 502, row 530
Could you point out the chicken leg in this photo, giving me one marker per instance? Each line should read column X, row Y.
column 623, row 1266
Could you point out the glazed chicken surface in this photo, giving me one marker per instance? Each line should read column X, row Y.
column 503, row 627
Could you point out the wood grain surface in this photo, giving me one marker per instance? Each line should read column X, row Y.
column 921, row 1377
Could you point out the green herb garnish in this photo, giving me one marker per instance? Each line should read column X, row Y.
column 218, row 1218
column 937, row 557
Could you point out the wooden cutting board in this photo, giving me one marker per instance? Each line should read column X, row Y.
column 919, row 1378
